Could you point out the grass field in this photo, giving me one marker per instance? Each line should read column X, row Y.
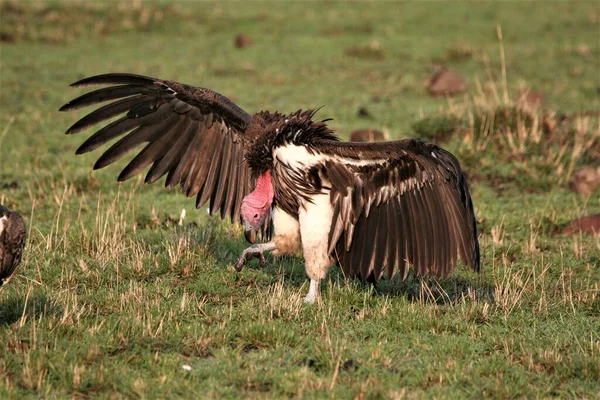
column 113, row 298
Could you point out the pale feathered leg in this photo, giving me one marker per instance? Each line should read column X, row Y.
column 287, row 233
column 315, row 222
column 313, row 292
column 256, row 250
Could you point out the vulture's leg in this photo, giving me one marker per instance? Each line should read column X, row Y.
column 285, row 241
column 256, row 250
column 287, row 233
column 313, row 292
column 315, row 222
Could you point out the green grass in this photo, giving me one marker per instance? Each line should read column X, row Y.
column 112, row 299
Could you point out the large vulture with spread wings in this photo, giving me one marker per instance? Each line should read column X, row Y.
column 376, row 209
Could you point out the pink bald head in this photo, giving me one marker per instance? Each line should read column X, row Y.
column 256, row 205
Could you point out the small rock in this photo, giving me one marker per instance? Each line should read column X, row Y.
column 364, row 113
column 589, row 225
column 585, row 181
column 583, row 50
column 447, row 81
column 6, row 37
column 366, row 135
column 530, row 99
column 574, row 72
column 242, row 41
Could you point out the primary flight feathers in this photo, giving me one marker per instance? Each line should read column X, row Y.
column 192, row 134
column 389, row 205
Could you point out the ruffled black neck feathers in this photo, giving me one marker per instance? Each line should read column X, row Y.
column 269, row 130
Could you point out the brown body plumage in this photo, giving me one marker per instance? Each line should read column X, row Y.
column 376, row 208
column 12, row 242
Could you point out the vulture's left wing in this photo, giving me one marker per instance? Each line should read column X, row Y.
column 193, row 135
column 398, row 205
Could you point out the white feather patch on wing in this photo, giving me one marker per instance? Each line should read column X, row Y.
column 300, row 157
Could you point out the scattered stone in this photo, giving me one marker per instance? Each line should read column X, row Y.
column 585, row 181
column 574, row 72
column 242, row 41
column 583, row 50
column 447, row 81
column 589, row 225
column 366, row 135
column 364, row 113
column 530, row 99
column 6, row 37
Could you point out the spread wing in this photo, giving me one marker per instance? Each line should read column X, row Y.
column 193, row 135
column 398, row 205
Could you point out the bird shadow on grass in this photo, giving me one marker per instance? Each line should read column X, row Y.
column 441, row 291
column 430, row 290
column 14, row 308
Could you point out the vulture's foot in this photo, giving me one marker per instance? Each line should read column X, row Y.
column 313, row 292
column 256, row 250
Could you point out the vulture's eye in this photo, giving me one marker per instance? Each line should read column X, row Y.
column 255, row 215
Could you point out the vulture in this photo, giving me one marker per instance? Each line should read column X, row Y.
column 375, row 209
column 12, row 241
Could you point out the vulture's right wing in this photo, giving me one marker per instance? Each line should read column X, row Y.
column 193, row 135
column 398, row 205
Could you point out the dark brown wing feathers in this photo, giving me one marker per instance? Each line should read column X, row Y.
column 193, row 135
column 410, row 208
column 12, row 242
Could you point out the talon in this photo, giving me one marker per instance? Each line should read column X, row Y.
column 313, row 292
column 256, row 250
column 239, row 265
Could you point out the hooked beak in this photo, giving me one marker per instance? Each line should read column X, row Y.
column 249, row 233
